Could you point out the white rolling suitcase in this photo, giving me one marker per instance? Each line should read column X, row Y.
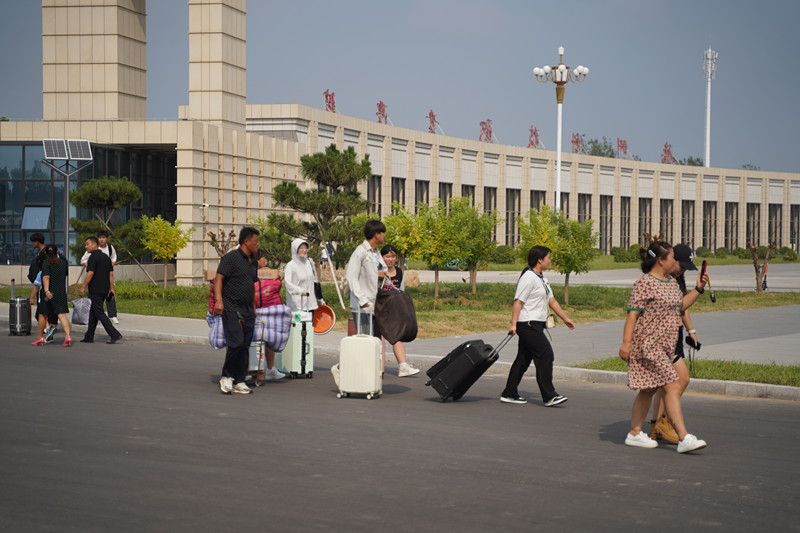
column 297, row 358
column 360, row 365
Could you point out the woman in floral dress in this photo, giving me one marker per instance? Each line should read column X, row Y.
column 648, row 343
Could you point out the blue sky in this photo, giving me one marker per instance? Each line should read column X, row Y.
column 470, row 60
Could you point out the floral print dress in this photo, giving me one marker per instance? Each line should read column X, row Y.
column 656, row 332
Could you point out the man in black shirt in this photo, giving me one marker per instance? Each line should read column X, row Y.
column 100, row 280
column 234, row 293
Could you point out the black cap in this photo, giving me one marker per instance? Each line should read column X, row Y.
column 684, row 255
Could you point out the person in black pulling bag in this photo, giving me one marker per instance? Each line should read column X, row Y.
column 532, row 301
column 234, row 295
column 100, row 281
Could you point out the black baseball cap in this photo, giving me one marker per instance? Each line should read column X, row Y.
column 684, row 255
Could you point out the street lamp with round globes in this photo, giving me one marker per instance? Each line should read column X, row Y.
column 560, row 76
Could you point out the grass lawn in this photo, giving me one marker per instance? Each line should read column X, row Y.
column 788, row 375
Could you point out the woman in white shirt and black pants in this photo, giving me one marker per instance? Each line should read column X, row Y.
column 532, row 301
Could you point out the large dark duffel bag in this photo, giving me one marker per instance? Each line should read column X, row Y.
column 396, row 316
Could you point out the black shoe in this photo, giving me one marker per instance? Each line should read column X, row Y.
column 555, row 401
column 113, row 340
column 87, row 340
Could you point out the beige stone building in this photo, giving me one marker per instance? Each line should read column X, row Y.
column 216, row 166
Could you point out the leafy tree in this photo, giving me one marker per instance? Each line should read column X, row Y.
column 426, row 236
column 105, row 196
column 472, row 230
column 691, row 161
column 571, row 243
column 276, row 244
column 335, row 175
column 165, row 240
column 602, row 148
column 577, row 250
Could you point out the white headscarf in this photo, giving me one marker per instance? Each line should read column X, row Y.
column 297, row 258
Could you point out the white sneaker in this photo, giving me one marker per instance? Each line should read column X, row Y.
column 689, row 443
column 273, row 374
column 641, row 440
column 115, row 321
column 242, row 388
column 226, row 385
column 407, row 371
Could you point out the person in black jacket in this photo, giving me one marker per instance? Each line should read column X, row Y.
column 100, row 281
column 37, row 239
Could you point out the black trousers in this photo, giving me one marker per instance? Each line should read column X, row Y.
column 96, row 314
column 238, row 336
column 533, row 346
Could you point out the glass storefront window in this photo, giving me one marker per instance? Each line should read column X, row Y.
column 10, row 162
column 10, row 204
column 38, row 192
column 34, row 169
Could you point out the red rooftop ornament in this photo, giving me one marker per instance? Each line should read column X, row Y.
column 381, row 112
column 666, row 155
column 330, row 101
column 486, row 131
column 533, row 138
column 432, row 122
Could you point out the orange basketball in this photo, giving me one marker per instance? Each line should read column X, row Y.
column 324, row 318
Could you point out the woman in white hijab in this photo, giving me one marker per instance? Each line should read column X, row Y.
column 299, row 278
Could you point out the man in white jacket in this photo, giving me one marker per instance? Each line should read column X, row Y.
column 364, row 270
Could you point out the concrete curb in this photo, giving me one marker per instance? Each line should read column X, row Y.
column 708, row 386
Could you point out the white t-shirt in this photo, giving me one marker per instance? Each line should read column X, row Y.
column 534, row 292
column 108, row 250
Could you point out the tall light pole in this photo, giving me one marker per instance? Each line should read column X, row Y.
column 560, row 75
column 709, row 69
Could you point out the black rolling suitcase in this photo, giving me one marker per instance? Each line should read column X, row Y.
column 460, row 369
column 19, row 314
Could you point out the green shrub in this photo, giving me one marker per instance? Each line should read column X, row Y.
column 620, row 255
column 722, row 253
column 762, row 252
column 703, row 252
column 633, row 253
column 742, row 253
column 790, row 255
column 504, row 255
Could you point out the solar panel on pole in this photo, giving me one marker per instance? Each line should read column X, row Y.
column 79, row 150
column 55, row 149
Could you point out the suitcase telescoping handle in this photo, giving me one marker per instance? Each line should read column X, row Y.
column 502, row 344
column 358, row 326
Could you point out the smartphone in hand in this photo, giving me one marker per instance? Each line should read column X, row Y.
column 703, row 268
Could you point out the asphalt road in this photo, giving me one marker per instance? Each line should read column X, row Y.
column 136, row 437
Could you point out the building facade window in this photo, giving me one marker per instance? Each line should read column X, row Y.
column 731, row 225
column 625, row 221
column 687, row 222
column 565, row 203
column 513, row 207
column 374, row 194
column 753, row 230
column 584, row 207
column 399, row 191
column 710, row 225
column 606, row 222
column 420, row 194
column 666, row 219
column 774, row 233
column 538, row 199
column 794, row 227
column 468, row 191
column 645, row 219
column 445, row 193
column 490, row 204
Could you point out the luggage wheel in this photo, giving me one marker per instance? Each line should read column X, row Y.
column 309, row 375
column 292, row 375
column 369, row 396
column 342, row 395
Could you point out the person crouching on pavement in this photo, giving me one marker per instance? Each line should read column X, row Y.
column 532, row 301
column 235, row 293
column 648, row 344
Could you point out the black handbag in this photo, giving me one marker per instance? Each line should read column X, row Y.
column 318, row 290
